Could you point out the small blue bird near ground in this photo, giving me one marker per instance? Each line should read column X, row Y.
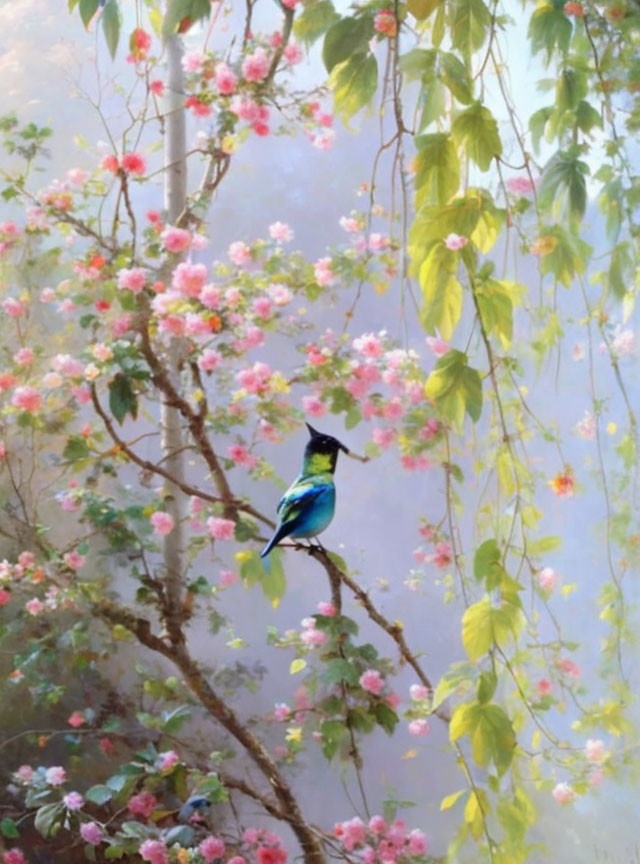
column 308, row 505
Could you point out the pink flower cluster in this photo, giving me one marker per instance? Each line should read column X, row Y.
column 310, row 635
column 379, row 842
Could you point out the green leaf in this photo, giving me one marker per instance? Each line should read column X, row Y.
column 110, row 19
column 496, row 307
column 99, row 794
column 441, row 291
column 195, row 10
column 8, row 828
column 354, row 84
column 314, row 21
column 587, row 117
column 549, row 28
column 346, row 37
column 421, row 9
column 47, row 819
column 563, row 188
column 273, row 579
column 569, row 257
column 487, row 564
column 470, row 24
column 454, row 74
column 122, row 399
column 386, row 717
column 571, row 87
column 175, row 719
column 339, row 670
column 437, row 169
column 418, row 63
column 456, row 388
column 476, row 130
column 449, row 800
column 486, row 686
column 76, row 448
column 297, row 665
column 88, row 9
column 620, row 274
column 484, row 625
column 493, row 738
column 333, row 733
column 433, row 102
column 537, row 124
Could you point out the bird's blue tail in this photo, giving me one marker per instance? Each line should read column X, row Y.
column 282, row 532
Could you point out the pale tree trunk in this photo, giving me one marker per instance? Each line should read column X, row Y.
column 175, row 199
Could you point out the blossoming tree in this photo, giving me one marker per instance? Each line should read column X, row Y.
column 141, row 391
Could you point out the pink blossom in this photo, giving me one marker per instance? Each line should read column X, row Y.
column 568, row 667
column 193, row 61
column 167, row 760
column 520, row 185
column 221, row 529
column 261, row 307
column 143, row 804
column 67, row 365
column 74, row 560
column 596, row 777
column 239, row 253
column 77, row 177
column 110, row 163
column 437, row 346
column 323, row 273
column 245, row 108
column 237, row 859
column 281, row 712
column 323, row 140
column 417, row 844
column 624, row 342
column 47, row 295
column 13, row 856
column 27, row 399
column 189, row 279
column 256, row 65
column 56, row 775
column 121, row 324
column 280, row 232
column 372, row 681
column 227, row 578
column 76, row 719
column 81, row 394
column 378, row 242
column 5, row 596
column 377, row 825
column 91, row 833
column 154, row 851
column 383, row 437
column 563, row 793
column 73, row 801
column 210, row 296
column 443, row 555
column 239, row 454
column 25, row 773
column 594, row 750
column 313, row 637
column 544, row 687
column 34, row 607
column 133, row 163
column 369, row 345
column 577, row 351
column 547, row 579
column 350, row 224
column 23, row 357
column 157, row 87
column 314, row 406
column 225, row 79
column 14, row 308
column 385, row 23
column 327, row 609
column 419, row 727
column 419, row 693
column 176, row 240
column 133, row 280
column 211, row 849
column 586, row 428
column 455, row 242
column 162, row 522
column 209, row 360
column 280, row 294
column 393, row 410
column 271, row 855
column 351, row 833
column 292, row 54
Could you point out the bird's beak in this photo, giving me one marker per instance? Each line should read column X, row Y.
column 357, row 456
column 313, row 433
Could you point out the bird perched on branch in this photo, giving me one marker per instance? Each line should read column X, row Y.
column 308, row 505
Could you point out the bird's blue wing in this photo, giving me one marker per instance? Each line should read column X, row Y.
column 299, row 497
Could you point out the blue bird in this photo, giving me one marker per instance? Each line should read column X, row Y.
column 308, row 505
column 194, row 804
